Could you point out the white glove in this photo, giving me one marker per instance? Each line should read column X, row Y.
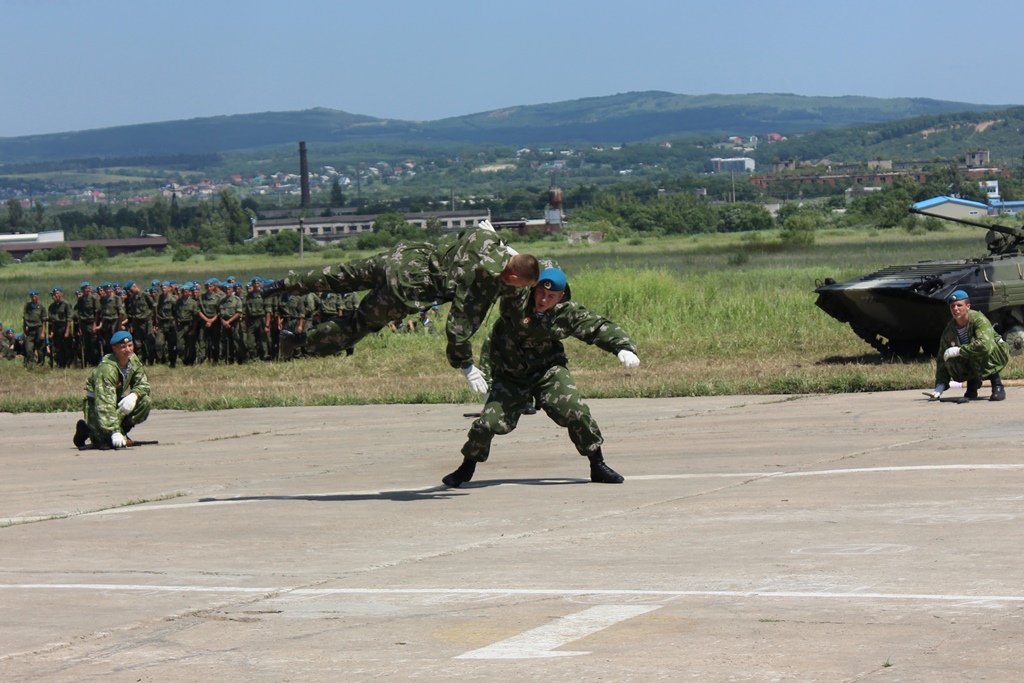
column 118, row 440
column 951, row 352
column 127, row 404
column 476, row 379
column 511, row 251
column 485, row 225
column 628, row 359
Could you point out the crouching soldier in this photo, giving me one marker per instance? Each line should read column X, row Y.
column 117, row 397
column 969, row 351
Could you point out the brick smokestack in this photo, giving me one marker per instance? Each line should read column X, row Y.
column 304, row 175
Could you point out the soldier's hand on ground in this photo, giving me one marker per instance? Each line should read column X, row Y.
column 127, row 404
column 951, row 352
column 628, row 359
column 476, row 379
column 118, row 440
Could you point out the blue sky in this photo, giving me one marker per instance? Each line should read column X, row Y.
column 76, row 65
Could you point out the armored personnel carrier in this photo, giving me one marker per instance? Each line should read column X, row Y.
column 901, row 310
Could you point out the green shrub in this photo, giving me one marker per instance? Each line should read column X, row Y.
column 61, row 252
column 94, row 253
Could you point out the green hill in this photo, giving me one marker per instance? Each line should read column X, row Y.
column 623, row 118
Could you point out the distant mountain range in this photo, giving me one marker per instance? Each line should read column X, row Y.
column 624, row 118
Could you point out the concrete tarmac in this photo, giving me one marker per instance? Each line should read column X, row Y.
column 864, row 537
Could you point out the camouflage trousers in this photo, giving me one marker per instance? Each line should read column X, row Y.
column 166, row 345
column 379, row 307
column 256, row 342
column 35, row 346
column 556, row 394
column 61, row 346
column 97, row 434
column 187, row 343
column 145, row 339
column 208, row 342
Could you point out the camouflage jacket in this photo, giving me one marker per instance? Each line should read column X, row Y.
column 59, row 313
column 186, row 311
column 165, row 307
column 33, row 315
column 292, row 310
column 138, row 308
column 85, row 309
column 111, row 309
column 524, row 343
column 107, row 385
column 984, row 350
column 255, row 307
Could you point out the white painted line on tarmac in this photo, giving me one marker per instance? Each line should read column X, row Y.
column 499, row 592
column 133, row 509
column 542, row 641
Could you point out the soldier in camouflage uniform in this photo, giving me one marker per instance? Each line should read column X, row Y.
column 229, row 311
column 970, row 351
column 257, row 323
column 186, row 319
column 167, row 327
column 140, row 323
column 527, row 360
column 469, row 269
column 33, row 320
column 208, row 330
column 60, row 315
column 117, row 397
column 7, row 344
column 291, row 318
column 346, row 309
column 111, row 315
column 86, row 320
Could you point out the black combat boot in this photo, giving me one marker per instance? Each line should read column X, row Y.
column 600, row 472
column 973, row 385
column 461, row 475
column 126, row 425
column 290, row 342
column 81, row 434
column 998, row 392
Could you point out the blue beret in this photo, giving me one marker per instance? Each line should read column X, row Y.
column 129, row 284
column 553, row 279
column 119, row 337
column 165, row 284
column 9, row 329
column 55, row 290
column 84, row 285
column 34, row 292
column 958, row 295
column 116, row 285
column 212, row 281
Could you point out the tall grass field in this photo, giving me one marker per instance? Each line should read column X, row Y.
column 716, row 314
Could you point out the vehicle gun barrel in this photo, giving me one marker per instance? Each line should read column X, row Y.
column 1017, row 233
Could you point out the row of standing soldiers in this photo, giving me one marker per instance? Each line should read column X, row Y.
column 230, row 322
